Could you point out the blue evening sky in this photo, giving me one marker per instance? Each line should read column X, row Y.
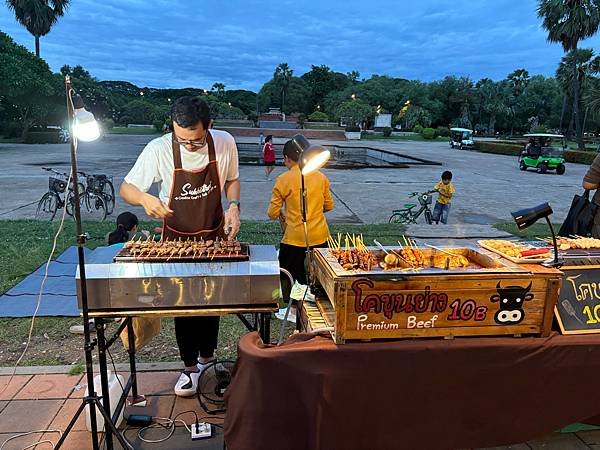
column 180, row 43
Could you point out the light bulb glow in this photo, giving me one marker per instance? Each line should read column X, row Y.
column 85, row 127
column 316, row 162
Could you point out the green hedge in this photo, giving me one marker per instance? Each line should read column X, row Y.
column 42, row 137
column 579, row 157
column 443, row 131
column 428, row 133
column 499, row 148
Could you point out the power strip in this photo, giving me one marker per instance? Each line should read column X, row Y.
column 201, row 430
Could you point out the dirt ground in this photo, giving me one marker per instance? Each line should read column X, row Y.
column 53, row 344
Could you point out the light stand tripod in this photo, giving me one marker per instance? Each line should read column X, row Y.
column 91, row 400
column 310, row 158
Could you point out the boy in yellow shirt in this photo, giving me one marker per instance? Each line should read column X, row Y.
column 442, row 206
column 286, row 205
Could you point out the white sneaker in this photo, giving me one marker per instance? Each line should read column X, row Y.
column 187, row 384
column 291, row 316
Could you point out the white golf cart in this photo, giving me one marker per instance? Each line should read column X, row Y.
column 461, row 138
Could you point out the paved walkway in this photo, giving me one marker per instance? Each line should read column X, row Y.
column 488, row 186
column 48, row 402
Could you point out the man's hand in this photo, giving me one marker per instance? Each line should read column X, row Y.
column 155, row 208
column 232, row 221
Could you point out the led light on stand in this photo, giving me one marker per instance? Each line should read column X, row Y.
column 315, row 161
column 85, row 127
column 524, row 218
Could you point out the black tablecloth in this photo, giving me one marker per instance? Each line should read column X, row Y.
column 425, row 393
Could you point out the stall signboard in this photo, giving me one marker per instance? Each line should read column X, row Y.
column 421, row 308
column 392, row 306
column 578, row 308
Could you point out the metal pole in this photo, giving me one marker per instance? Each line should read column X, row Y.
column 91, row 399
column 89, row 345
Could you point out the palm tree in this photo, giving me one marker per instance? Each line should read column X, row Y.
column 587, row 65
column 492, row 101
column 568, row 22
column 518, row 81
column 38, row 16
column 282, row 76
column 220, row 88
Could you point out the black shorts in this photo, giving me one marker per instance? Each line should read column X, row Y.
column 292, row 259
column 269, row 163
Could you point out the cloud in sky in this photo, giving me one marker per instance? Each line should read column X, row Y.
column 179, row 43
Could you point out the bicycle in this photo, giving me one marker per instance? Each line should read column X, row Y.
column 52, row 201
column 407, row 215
column 98, row 195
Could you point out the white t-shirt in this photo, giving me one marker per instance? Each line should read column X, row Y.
column 155, row 163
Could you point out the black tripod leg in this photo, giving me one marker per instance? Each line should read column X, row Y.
column 65, row 434
column 104, row 381
column 264, row 328
column 267, row 328
column 132, row 369
column 111, row 429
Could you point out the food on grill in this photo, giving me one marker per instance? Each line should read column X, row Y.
column 181, row 249
column 515, row 250
column 446, row 261
column 391, row 260
column 584, row 243
column 355, row 255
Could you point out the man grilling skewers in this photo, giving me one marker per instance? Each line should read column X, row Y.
column 192, row 166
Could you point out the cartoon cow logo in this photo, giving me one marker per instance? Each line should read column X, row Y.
column 511, row 300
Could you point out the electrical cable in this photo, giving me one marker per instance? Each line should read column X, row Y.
column 28, row 433
column 115, row 368
column 39, row 299
column 185, row 412
column 170, row 423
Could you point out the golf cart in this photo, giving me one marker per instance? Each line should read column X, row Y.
column 540, row 155
column 461, row 138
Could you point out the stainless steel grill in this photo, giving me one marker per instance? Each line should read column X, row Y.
column 174, row 285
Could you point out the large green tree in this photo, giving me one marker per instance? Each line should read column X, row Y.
column 322, row 80
column 354, row 112
column 568, row 22
column 297, row 98
column 27, row 84
column 38, row 16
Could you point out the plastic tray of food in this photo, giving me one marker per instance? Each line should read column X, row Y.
column 517, row 252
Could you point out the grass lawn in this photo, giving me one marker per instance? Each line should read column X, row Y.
column 418, row 137
column 11, row 140
column 26, row 245
column 537, row 230
column 125, row 130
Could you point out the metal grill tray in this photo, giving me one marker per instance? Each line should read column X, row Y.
column 125, row 256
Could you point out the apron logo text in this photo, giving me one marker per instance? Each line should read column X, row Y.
column 187, row 193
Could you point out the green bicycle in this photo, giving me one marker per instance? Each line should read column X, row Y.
column 408, row 215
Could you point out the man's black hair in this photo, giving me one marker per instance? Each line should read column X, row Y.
column 188, row 111
column 447, row 175
column 291, row 151
column 269, row 138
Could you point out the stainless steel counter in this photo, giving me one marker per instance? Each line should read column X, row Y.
column 184, row 286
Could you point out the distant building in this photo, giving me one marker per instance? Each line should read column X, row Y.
column 276, row 119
